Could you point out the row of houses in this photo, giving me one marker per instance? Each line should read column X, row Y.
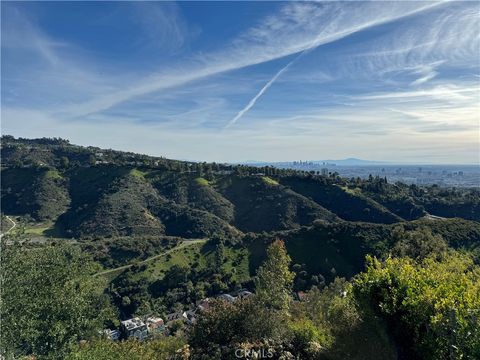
column 142, row 329
column 189, row 317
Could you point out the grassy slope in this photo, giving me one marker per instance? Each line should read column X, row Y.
column 195, row 254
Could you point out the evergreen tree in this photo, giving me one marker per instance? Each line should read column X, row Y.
column 274, row 279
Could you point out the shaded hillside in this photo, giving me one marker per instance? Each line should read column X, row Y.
column 202, row 195
column 40, row 193
column 186, row 222
column 400, row 204
column 412, row 202
column 450, row 203
column 123, row 209
column 126, row 204
column 196, row 192
column 88, row 184
column 262, row 204
column 348, row 205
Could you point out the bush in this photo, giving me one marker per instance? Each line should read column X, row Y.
column 431, row 305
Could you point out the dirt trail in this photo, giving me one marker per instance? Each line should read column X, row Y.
column 182, row 245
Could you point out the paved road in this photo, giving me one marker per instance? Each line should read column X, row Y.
column 182, row 245
column 13, row 225
column 434, row 217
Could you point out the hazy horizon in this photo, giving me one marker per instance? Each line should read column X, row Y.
column 367, row 162
column 269, row 81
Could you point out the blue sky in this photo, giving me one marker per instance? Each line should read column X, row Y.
column 235, row 81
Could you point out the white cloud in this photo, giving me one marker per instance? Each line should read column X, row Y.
column 298, row 27
column 446, row 36
column 69, row 94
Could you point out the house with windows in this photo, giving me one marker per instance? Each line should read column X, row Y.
column 134, row 328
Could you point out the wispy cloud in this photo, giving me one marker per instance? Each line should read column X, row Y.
column 426, row 74
column 19, row 33
column 299, row 26
column 448, row 36
column 400, row 69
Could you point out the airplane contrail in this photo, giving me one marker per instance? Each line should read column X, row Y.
column 262, row 90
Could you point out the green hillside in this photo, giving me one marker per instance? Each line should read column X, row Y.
column 196, row 192
column 346, row 203
column 265, row 205
column 42, row 193
column 95, row 193
column 412, row 202
column 339, row 249
column 122, row 209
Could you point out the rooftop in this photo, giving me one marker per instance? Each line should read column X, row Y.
column 132, row 323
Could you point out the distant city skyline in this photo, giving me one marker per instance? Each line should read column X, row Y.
column 230, row 81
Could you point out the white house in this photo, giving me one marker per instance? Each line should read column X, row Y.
column 134, row 328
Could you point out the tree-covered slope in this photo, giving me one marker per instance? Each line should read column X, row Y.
column 190, row 189
column 412, row 202
column 122, row 209
column 347, row 204
column 339, row 249
column 41, row 193
column 262, row 204
column 93, row 192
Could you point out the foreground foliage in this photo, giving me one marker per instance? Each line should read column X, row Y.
column 423, row 303
column 102, row 349
column 432, row 306
column 49, row 300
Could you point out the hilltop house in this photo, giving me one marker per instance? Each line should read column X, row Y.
column 134, row 328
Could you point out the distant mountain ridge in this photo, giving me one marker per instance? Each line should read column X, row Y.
column 93, row 192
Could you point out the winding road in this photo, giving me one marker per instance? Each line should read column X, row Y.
column 13, row 226
column 182, row 245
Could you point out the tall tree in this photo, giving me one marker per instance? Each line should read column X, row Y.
column 274, row 279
